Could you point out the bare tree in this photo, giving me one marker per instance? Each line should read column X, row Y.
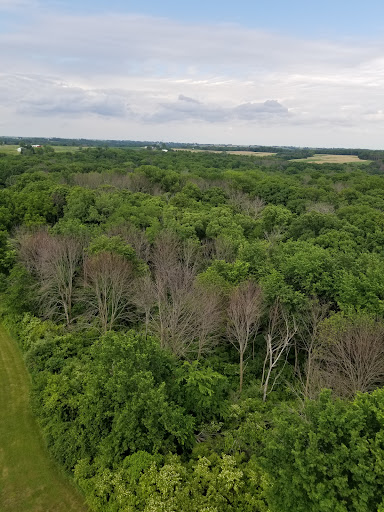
column 321, row 207
column 209, row 307
column 244, row 314
column 188, row 322
column 59, row 273
column 55, row 261
column 351, row 356
column 175, row 322
column 174, row 265
column 144, row 298
column 108, row 288
column 219, row 249
column 278, row 337
column 308, row 341
column 135, row 237
column 251, row 206
column 32, row 249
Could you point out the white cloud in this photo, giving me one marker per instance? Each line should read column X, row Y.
column 167, row 80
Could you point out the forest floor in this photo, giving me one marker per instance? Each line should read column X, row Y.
column 29, row 479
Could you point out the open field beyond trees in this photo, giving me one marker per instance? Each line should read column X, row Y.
column 332, row 159
column 244, row 153
column 11, row 149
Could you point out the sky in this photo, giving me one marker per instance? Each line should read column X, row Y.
column 296, row 73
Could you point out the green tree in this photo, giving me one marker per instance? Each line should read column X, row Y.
column 328, row 456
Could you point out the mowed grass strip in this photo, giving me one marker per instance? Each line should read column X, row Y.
column 29, row 479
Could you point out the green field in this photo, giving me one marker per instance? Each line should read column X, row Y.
column 10, row 149
column 29, row 480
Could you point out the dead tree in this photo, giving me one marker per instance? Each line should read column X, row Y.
column 59, row 273
column 351, row 356
column 175, row 323
column 278, row 337
column 135, row 237
column 144, row 299
column 209, row 307
column 251, row 206
column 174, row 266
column 108, row 289
column 244, row 314
column 32, row 249
column 308, row 341
column 55, row 261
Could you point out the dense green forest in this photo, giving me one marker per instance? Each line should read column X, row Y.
column 204, row 331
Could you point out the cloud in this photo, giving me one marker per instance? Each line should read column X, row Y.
column 155, row 75
column 268, row 109
column 42, row 96
column 46, row 96
column 188, row 99
column 191, row 109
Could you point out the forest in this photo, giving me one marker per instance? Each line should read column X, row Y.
column 204, row 331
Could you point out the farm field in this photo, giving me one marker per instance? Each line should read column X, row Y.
column 10, row 149
column 29, row 480
column 251, row 153
column 247, row 153
column 332, row 159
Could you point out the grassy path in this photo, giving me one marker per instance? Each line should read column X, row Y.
column 29, row 480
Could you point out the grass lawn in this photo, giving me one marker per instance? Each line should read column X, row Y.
column 29, row 480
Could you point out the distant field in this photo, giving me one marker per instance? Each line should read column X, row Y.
column 62, row 149
column 12, row 149
column 249, row 153
column 332, row 159
column 5, row 148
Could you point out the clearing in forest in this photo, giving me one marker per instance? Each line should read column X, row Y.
column 29, row 480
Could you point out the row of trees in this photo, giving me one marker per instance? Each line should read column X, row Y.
column 102, row 282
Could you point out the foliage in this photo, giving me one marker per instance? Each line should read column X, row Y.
column 328, row 456
column 112, row 244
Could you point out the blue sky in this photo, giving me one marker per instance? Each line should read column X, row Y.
column 339, row 18
column 297, row 73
